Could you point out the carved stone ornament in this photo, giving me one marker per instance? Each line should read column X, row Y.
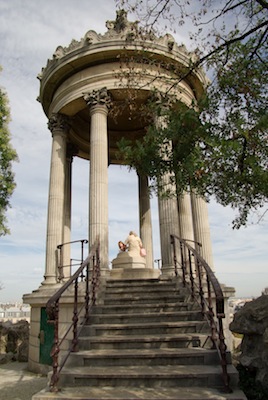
column 121, row 25
column 121, row 29
column 58, row 121
column 98, row 97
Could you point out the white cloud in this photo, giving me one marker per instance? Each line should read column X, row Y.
column 30, row 32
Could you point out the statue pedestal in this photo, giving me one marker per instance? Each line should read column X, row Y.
column 126, row 267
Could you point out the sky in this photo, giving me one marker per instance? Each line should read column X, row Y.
column 30, row 31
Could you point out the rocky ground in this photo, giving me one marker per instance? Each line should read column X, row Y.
column 16, row 383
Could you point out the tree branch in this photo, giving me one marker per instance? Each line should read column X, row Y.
column 227, row 43
column 222, row 12
column 259, row 43
column 218, row 50
column 263, row 3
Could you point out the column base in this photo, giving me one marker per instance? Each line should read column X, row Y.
column 168, row 271
column 49, row 280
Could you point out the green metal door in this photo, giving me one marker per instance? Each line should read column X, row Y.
column 46, row 338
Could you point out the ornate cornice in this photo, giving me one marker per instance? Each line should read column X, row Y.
column 120, row 29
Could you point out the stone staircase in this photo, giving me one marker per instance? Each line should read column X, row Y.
column 147, row 340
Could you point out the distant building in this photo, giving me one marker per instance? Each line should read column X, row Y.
column 14, row 312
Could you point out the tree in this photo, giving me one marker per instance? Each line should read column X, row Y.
column 7, row 156
column 221, row 149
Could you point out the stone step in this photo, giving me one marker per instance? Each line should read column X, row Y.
column 142, row 289
column 143, row 342
column 147, row 376
column 145, row 317
column 125, row 283
column 147, row 328
column 139, row 298
column 150, row 357
column 145, row 308
column 138, row 393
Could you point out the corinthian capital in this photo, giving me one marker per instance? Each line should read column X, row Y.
column 58, row 121
column 98, row 97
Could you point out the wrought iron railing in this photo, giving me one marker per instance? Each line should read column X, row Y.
column 206, row 290
column 84, row 297
column 79, row 261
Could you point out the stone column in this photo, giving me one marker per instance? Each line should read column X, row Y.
column 186, row 222
column 146, row 231
column 66, row 249
column 55, row 220
column 98, row 102
column 201, row 227
column 185, row 217
column 169, row 224
column 168, row 213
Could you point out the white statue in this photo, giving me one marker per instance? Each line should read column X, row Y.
column 134, row 244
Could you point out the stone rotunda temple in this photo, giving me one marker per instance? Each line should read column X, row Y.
column 84, row 92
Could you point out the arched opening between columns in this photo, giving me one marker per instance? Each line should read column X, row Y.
column 123, row 207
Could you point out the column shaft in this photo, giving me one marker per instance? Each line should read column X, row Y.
column 201, row 227
column 169, row 225
column 67, row 219
column 185, row 217
column 55, row 202
column 146, row 231
column 98, row 195
column 168, row 214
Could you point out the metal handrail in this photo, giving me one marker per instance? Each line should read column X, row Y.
column 60, row 262
column 202, row 293
column 53, row 309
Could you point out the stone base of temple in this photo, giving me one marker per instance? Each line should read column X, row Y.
column 126, row 267
column 135, row 273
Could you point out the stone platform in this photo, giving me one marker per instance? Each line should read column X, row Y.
column 126, row 267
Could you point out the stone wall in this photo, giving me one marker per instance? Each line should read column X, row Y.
column 252, row 322
column 14, row 341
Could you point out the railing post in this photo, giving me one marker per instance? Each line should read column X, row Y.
column 54, row 319
column 200, row 283
column 93, row 282
column 191, row 274
column 60, row 265
column 211, row 315
column 87, row 298
column 75, row 318
column 182, row 246
column 174, row 254
column 222, row 347
column 83, row 241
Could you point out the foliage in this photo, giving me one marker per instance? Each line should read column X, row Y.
column 7, row 156
column 219, row 146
